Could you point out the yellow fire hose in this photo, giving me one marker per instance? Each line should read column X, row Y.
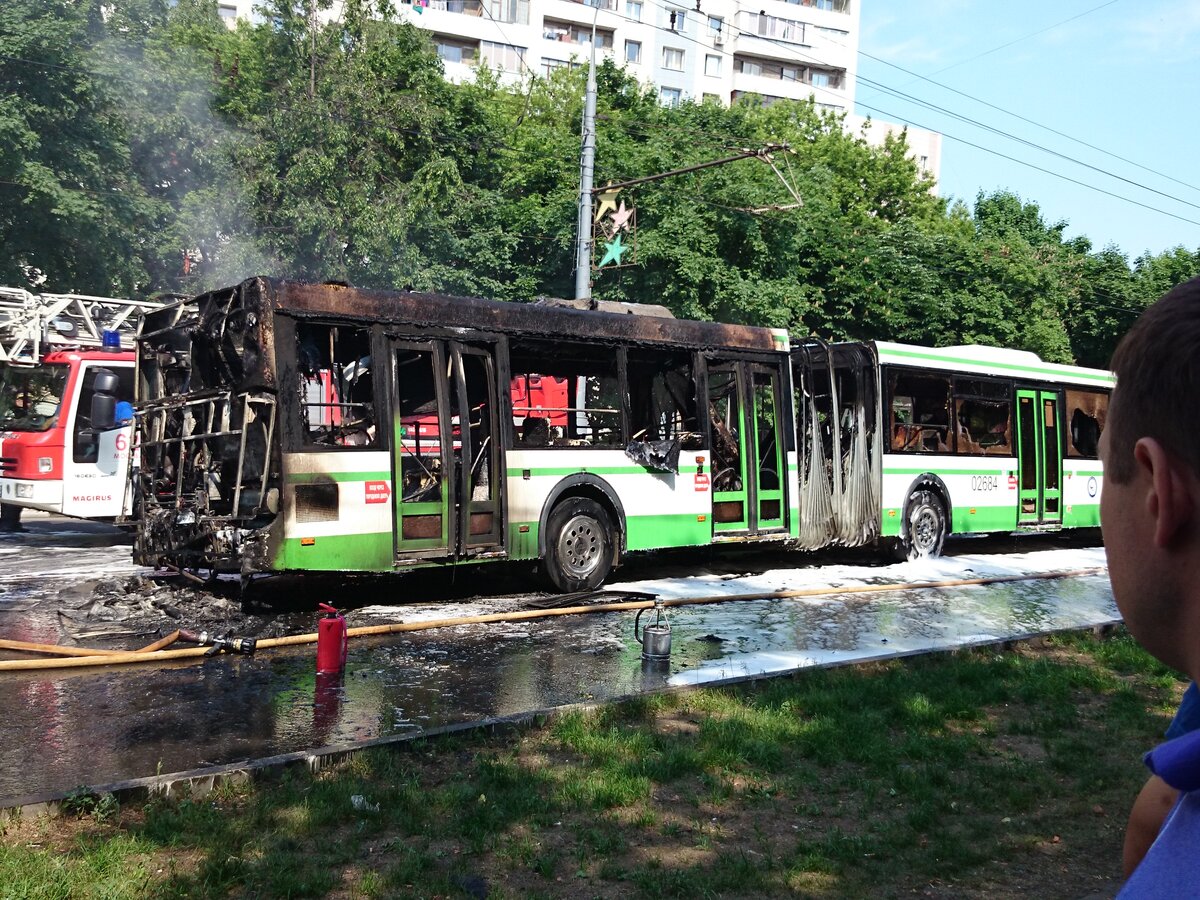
column 152, row 653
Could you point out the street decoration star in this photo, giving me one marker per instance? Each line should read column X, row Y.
column 608, row 200
column 612, row 251
column 620, row 218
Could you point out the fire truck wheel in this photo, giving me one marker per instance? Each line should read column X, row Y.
column 579, row 545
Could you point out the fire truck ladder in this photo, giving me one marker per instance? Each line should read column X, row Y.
column 32, row 324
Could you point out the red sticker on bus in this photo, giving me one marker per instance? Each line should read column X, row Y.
column 1012, row 482
column 378, row 492
column 701, row 481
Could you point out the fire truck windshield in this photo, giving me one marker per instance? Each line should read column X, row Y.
column 30, row 396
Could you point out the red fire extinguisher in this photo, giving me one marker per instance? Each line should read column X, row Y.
column 331, row 640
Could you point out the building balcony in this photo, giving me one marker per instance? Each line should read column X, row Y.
column 514, row 12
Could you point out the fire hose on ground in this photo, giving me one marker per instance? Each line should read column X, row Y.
column 156, row 652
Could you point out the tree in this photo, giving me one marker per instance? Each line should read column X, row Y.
column 71, row 210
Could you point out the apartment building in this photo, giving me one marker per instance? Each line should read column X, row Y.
column 688, row 49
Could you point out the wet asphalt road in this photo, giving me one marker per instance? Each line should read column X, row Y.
column 97, row 726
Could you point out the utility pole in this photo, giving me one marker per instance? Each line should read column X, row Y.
column 587, row 167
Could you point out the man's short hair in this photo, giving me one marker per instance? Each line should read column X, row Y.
column 1157, row 365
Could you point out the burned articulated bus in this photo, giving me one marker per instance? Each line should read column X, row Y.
column 292, row 427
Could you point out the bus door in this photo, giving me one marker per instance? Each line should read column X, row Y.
column 446, row 458
column 1039, row 458
column 747, row 440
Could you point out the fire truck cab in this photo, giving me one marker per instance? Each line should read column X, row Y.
column 51, row 456
column 66, row 360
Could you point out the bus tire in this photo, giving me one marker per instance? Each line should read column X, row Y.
column 579, row 545
column 925, row 518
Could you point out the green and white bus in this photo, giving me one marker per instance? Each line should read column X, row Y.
column 974, row 439
column 293, row 427
column 288, row 427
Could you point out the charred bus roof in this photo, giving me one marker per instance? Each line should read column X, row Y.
column 267, row 296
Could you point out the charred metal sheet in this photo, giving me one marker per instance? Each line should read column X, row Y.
column 439, row 310
column 208, row 473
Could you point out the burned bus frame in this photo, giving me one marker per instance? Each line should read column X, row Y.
column 215, row 480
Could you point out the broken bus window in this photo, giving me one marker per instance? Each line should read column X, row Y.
column 1087, row 411
column 337, row 395
column 565, row 395
column 920, row 416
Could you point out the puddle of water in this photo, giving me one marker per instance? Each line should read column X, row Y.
column 93, row 727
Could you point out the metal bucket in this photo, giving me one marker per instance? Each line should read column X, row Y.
column 655, row 639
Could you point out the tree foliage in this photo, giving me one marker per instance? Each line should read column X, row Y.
column 145, row 146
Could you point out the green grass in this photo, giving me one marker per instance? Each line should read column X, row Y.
column 981, row 773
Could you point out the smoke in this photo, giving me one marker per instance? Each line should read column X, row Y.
column 202, row 232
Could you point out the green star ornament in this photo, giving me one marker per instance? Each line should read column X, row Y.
column 612, row 251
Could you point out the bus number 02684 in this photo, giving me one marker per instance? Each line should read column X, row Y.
column 985, row 482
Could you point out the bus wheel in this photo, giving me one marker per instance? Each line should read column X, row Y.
column 579, row 545
column 926, row 518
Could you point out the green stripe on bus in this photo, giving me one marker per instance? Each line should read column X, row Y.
column 1100, row 378
column 309, row 477
column 677, row 530
column 983, row 518
column 1084, row 473
column 1082, row 515
column 523, row 544
column 974, row 519
column 340, row 552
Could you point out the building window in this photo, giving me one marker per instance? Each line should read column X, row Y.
column 552, row 65
column 514, row 11
column 227, row 11
column 633, row 51
column 714, row 98
column 774, row 28
column 673, row 59
column 670, row 96
column 712, row 65
column 570, row 33
column 842, row 6
column 505, row 57
column 826, row 78
column 633, row 10
column 456, row 51
column 782, row 71
column 716, row 28
column 677, row 19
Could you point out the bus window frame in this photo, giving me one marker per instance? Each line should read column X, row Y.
column 509, row 428
column 1071, row 451
column 294, row 437
column 886, row 372
column 1010, row 387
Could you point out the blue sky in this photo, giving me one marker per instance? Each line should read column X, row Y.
column 1122, row 75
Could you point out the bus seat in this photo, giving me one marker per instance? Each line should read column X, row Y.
column 535, row 432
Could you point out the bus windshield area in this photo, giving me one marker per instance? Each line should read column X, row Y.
column 30, row 396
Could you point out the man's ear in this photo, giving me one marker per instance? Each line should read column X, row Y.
column 1169, row 500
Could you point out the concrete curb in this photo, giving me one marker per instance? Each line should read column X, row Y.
column 197, row 783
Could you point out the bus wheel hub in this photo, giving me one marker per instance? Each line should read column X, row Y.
column 579, row 546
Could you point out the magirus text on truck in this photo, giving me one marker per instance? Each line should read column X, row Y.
column 296, row 427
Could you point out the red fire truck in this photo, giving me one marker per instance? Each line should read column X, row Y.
column 57, row 352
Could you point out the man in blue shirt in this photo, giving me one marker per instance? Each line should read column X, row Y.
column 1157, row 798
column 1150, row 511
